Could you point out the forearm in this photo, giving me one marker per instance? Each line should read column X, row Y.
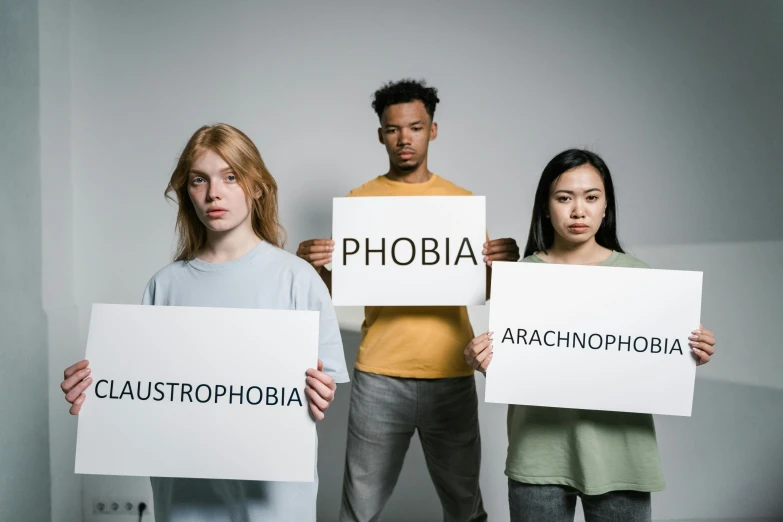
column 326, row 277
column 489, row 280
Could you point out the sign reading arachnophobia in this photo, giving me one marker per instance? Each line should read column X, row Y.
column 593, row 337
column 409, row 251
column 198, row 392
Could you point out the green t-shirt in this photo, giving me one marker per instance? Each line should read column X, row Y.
column 592, row 451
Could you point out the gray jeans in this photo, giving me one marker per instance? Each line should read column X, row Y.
column 384, row 413
column 534, row 503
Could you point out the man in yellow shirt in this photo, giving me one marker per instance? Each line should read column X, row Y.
column 410, row 371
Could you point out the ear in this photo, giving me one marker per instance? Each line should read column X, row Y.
column 257, row 192
column 380, row 136
column 433, row 131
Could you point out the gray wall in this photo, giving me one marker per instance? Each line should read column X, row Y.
column 682, row 99
column 24, row 422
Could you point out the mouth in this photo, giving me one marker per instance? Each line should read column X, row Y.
column 216, row 212
column 405, row 154
column 578, row 228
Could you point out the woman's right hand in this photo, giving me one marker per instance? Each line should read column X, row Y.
column 76, row 381
column 478, row 352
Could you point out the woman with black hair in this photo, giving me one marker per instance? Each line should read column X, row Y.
column 608, row 459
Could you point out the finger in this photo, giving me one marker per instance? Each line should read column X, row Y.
column 316, row 242
column 483, row 337
column 704, row 347
column 316, row 257
column 478, row 349
column 77, row 405
column 485, row 364
column 323, row 377
column 320, row 375
column 68, row 384
column 502, row 247
column 504, row 256
column 703, row 357
column 322, row 262
column 480, row 358
column 702, row 338
column 701, row 333
column 314, row 249
column 317, row 414
column 316, row 399
column 320, row 365
column 75, row 368
column 502, row 241
column 77, row 390
column 323, row 390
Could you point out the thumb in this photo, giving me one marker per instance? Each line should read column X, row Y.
column 320, row 365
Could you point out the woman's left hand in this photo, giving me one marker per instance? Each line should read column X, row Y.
column 320, row 390
column 702, row 342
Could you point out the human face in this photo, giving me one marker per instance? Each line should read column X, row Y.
column 577, row 205
column 220, row 202
column 406, row 130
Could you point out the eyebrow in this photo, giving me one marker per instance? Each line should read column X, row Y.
column 196, row 171
column 572, row 192
column 417, row 122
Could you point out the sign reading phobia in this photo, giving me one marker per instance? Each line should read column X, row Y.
column 199, row 393
column 592, row 337
column 417, row 251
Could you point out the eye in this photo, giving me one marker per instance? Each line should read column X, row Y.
column 389, row 131
column 417, row 129
column 198, row 180
column 592, row 198
column 563, row 199
column 231, row 177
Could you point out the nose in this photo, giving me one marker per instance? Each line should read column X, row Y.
column 578, row 210
column 215, row 191
column 405, row 137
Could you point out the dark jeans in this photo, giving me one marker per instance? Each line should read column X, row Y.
column 544, row 503
column 384, row 413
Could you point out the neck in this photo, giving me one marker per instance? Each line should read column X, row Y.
column 222, row 247
column 420, row 175
column 568, row 253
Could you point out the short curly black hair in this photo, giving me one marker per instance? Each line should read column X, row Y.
column 405, row 91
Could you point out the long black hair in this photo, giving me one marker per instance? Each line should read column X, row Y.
column 542, row 234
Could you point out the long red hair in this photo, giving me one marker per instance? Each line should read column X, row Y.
column 243, row 157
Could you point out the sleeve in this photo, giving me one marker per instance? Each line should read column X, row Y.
column 330, row 343
column 149, row 293
column 638, row 263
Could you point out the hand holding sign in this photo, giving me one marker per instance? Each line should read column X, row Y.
column 505, row 249
column 75, row 381
column 317, row 252
column 702, row 342
column 478, row 352
column 320, row 390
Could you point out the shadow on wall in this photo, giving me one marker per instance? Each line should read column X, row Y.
column 414, row 498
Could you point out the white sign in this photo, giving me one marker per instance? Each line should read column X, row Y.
column 409, row 251
column 592, row 337
column 199, row 393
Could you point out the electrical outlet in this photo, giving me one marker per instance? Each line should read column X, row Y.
column 113, row 506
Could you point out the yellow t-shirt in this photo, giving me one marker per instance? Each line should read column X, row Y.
column 424, row 342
